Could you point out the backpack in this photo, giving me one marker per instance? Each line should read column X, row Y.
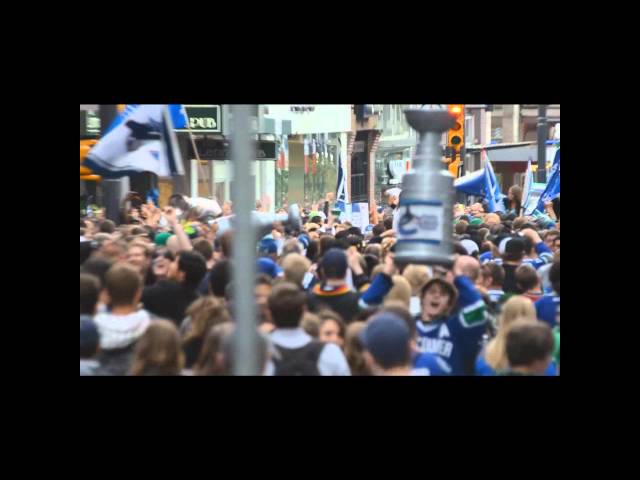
column 297, row 362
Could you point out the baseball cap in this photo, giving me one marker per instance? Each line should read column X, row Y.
column 334, row 263
column 470, row 246
column 268, row 246
column 269, row 267
column 161, row 238
column 387, row 337
column 513, row 245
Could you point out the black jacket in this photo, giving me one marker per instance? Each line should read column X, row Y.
column 168, row 299
column 343, row 302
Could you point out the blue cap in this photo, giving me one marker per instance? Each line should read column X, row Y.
column 387, row 337
column 268, row 246
column 269, row 267
column 334, row 263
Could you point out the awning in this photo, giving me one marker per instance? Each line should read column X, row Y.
column 514, row 152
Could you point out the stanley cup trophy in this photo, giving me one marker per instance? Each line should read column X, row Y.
column 424, row 217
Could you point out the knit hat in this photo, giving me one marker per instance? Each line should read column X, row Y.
column 268, row 246
column 512, row 246
column 476, row 221
column 161, row 238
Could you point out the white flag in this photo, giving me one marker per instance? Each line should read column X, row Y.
column 144, row 142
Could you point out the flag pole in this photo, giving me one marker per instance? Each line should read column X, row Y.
column 195, row 150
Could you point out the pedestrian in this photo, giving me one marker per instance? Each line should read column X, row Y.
column 295, row 268
column 89, row 347
column 139, row 256
column 158, row 352
column 89, row 295
column 122, row 326
column 453, row 318
column 169, row 299
column 295, row 353
column 334, row 293
column 528, row 283
column 202, row 315
column 493, row 358
column 548, row 306
column 332, row 328
column 400, row 292
column 529, row 348
column 386, row 340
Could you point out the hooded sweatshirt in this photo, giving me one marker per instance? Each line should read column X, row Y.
column 118, row 335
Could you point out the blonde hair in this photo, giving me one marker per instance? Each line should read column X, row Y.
column 310, row 323
column 401, row 291
column 295, row 266
column 516, row 308
column 418, row 276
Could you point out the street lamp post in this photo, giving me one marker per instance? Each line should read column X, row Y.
column 423, row 220
column 542, row 144
column 112, row 188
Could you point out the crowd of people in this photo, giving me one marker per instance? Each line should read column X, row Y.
column 157, row 295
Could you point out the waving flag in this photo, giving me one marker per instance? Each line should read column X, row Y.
column 553, row 185
column 483, row 183
column 143, row 141
column 177, row 112
column 341, row 195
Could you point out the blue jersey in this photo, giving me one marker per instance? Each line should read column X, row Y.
column 456, row 339
column 427, row 364
column 548, row 309
column 483, row 369
column 544, row 256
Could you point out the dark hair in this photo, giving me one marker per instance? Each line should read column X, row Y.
column 355, row 241
column 495, row 271
column 220, row 277
column 317, row 220
column 327, row 314
column 226, row 240
column 461, row 227
column 107, row 226
column 326, row 243
column 97, row 266
column 89, row 293
column 528, row 342
column 263, row 279
column 554, row 277
column 194, row 266
column 90, row 342
column 123, row 283
column 459, row 249
column 312, row 251
column 372, row 261
column 286, row 303
column 550, row 233
column 528, row 245
column 342, row 234
column 526, row 278
column 364, row 315
column 355, row 231
column 388, row 223
column 205, row 248
column 378, row 229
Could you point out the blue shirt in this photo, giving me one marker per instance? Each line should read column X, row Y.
column 456, row 339
column 430, row 365
column 548, row 309
column 483, row 369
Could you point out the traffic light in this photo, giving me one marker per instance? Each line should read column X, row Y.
column 455, row 139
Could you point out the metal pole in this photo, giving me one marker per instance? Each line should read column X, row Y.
column 111, row 188
column 542, row 144
column 244, row 245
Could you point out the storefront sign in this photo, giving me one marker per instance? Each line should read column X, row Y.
column 221, row 150
column 203, row 119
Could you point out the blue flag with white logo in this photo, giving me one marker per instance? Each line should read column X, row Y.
column 144, row 140
column 553, row 184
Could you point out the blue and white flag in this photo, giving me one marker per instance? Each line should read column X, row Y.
column 526, row 191
column 553, row 184
column 341, row 195
column 177, row 112
column 493, row 194
column 143, row 141
column 472, row 183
